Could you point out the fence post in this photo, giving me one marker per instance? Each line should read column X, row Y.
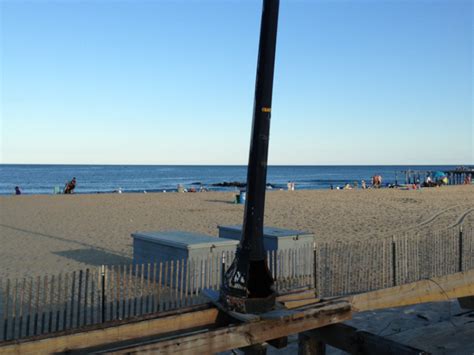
column 73, row 289
column 315, row 270
column 460, row 249
column 79, row 290
column 394, row 262
column 223, row 269
column 102, row 286
column 5, row 310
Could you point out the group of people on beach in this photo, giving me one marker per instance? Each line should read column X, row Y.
column 376, row 183
column 181, row 188
column 68, row 187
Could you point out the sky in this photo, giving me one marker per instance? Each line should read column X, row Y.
column 172, row 82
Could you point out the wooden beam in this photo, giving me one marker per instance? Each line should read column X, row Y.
column 436, row 289
column 296, row 296
column 138, row 329
column 300, row 303
column 349, row 339
column 247, row 334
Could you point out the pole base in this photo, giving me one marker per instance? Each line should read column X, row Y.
column 248, row 305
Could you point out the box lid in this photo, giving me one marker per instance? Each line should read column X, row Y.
column 183, row 240
column 270, row 232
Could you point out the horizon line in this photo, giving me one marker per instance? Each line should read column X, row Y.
column 236, row 165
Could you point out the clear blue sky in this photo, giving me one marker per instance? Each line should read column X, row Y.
column 172, row 82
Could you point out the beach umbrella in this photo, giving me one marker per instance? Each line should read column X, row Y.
column 438, row 175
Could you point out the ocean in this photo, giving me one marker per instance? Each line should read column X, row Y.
column 42, row 179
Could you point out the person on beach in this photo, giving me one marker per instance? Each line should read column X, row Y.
column 377, row 181
column 363, row 184
column 17, row 190
column 70, row 186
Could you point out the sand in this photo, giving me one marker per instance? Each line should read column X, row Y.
column 51, row 234
column 48, row 234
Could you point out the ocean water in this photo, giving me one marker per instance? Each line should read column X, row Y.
column 41, row 179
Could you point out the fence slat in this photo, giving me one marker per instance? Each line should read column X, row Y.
column 66, row 289
column 14, row 306
column 86, row 289
column 73, row 289
column 30, row 306
column 148, row 279
column 117, row 292
column 51, row 304
column 79, row 298
column 160, row 282
column 58, row 302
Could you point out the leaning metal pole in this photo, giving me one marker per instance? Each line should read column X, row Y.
column 248, row 285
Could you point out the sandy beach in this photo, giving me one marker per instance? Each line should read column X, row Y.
column 48, row 234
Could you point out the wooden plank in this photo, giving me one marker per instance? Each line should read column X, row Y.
column 433, row 290
column 247, row 334
column 453, row 336
column 99, row 334
column 349, row 339
column 297, row 296
column 300, row 303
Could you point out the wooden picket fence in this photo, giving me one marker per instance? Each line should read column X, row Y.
column 359, row 266
column 52, row 303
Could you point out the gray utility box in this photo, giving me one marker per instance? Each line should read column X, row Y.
column 293, row 249
column 200, row 250
column 273, row 238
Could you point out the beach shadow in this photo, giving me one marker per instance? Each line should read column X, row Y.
column 94, row 257
column 86, row 245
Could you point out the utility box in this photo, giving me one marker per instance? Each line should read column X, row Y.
column 292, row 250
column 273, row 238
column 150, row 247
column 200, row 252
